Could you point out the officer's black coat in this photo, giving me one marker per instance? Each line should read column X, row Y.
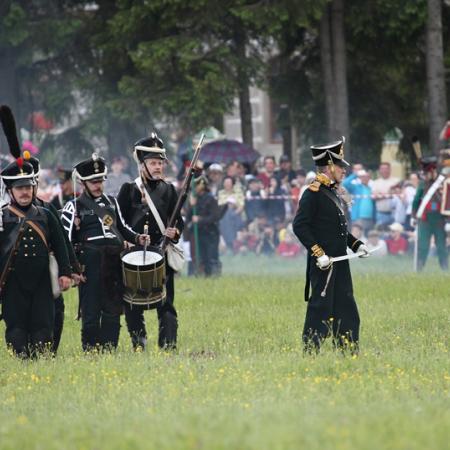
column 319, row 221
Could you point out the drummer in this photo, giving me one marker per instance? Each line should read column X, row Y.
column 150, row 155
column 98, row 232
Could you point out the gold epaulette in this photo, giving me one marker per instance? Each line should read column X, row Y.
column 323, row 179
column 314, row 186
column 320, row 179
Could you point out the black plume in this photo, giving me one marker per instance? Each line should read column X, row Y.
column 9, row 128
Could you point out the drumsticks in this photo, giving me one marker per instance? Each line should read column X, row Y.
column 145, row 245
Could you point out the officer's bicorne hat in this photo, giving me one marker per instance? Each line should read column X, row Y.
column 64, row 174
column 332, row 153
column 90, row 169
column 149, row 147
column 17, row 174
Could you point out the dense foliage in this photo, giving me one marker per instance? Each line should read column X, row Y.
column 114, row 68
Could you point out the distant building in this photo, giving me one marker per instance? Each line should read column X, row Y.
column 267, row 137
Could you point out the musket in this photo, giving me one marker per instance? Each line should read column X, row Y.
column 184, row 190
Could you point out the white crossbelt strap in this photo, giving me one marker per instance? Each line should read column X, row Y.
column 151, row 205
column 434, row 187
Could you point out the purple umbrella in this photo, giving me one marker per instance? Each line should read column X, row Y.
column 225, row 151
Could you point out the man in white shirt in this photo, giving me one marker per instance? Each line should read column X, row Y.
column 381, row 188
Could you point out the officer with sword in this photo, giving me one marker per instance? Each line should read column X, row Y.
column 321, row 226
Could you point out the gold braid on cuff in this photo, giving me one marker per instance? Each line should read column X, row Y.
column 317, row 251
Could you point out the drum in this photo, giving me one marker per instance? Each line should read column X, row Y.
column 144, row 281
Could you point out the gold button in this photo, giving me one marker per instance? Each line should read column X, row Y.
column 31, row 237
column 26, row 254
column 25, row 245
column 34, row 254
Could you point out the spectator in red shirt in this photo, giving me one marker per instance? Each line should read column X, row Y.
column 289, row 246
column 396, row 243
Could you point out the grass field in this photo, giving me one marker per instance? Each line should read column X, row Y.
column 240, row 380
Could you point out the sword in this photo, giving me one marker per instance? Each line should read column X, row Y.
column 351, row 256
column 145, row 245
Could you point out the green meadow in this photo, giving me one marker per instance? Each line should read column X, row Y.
column 239, row 379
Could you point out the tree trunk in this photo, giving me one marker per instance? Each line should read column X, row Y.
column 340, row 71
column 437, row 101
column 243, row 82
column 119, row 138
column 327, row 72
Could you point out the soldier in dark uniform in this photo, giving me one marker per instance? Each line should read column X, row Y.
column 97, row 230
column 205, row 213
column 431, row 222
column 66, row 192
column 151, row 157
column 74, row 264
column 30, row 232
column 321, row 226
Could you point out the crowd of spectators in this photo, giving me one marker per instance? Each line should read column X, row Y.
column 259, row 205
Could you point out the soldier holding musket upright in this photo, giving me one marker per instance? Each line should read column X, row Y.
column 134, row 199
column 426, row 211
column 98, row 232
column 29, row 234
column 321, row 226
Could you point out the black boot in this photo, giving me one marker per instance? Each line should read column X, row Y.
column 168, row 326
column 90, row 338
column 109, row 331
column 134, row 317
column 41, row 342
column 17, row 340
column 139, row 342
